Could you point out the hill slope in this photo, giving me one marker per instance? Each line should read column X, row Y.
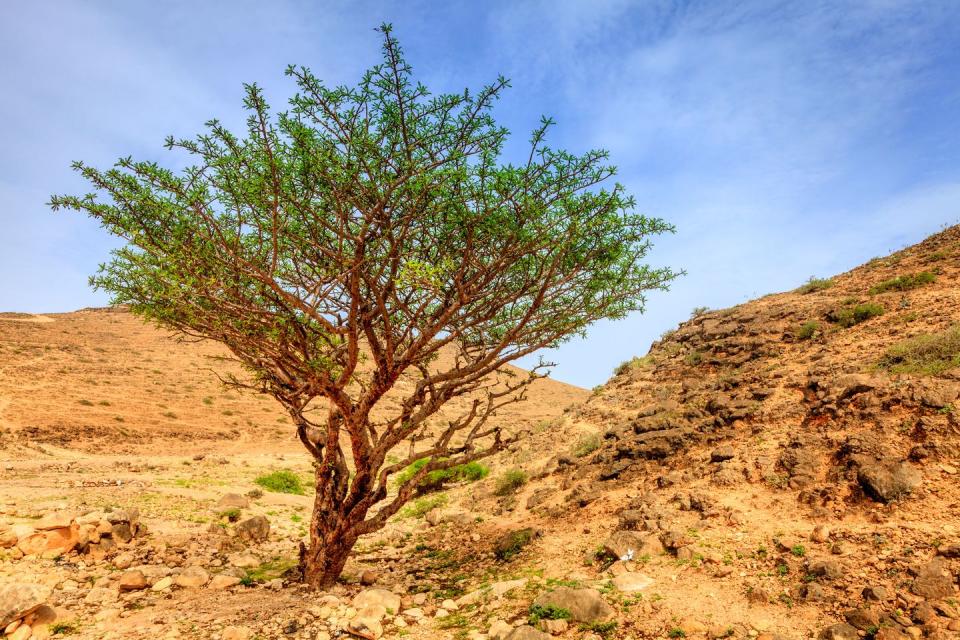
column 102, row 380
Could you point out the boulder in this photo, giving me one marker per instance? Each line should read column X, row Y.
column 839, row 631
column 233, row 501
column 192, row 577
column 377, row 597
column 20, row 599
column 129, row 516
column 223, row 581
column 132, row 581
column 632, row 581
column 888, row 480
column 51, row 541
column 255, row 529
column 934, row 581
column 584, row 605
column 55, row 520
column 526, row 632
column 629, row 545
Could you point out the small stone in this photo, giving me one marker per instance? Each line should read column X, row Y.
column 162, row 584
column 368, row 577
column 722, row 454
column 839, row 631
column 255, row 529
column 820, row 533
column 193, row 577
column 233, row 501
column 132, row 581
column 236, row 633
column 223, row 581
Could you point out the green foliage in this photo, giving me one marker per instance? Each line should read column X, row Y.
column 798, row 550
column 63, row 628
column 232, row 514
column 926, row 354
column 635, row 362
column 434, row 480
column 698, row 311
column 904, row 283
column 513, row 543
column 510, row 482
column 815, row 284
column 676, row 632
column 849, row 316
column 808, row 330
column 268, row 570
column 420, row 507
column 602, row 629
column 587, row 445
column 547, row 612
column 282, row 481
column 693, row 358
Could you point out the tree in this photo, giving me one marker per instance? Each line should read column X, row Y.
column 342, row 245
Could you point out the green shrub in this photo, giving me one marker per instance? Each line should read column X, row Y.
column 693, row 358
column 422, row 506
column 850, row 316
column 815, row 284
column 232, row 514
column 434, row 480
column 513, row 543
column 677, row 632
column 904, row 283
column 587, row 445
column 699, row 311
column 510, row 482
column 633, row 363
column 602, row 629
column 808, row 330
column 926, row 354
column 282, row 481
column 547, row 612
column 63, row 628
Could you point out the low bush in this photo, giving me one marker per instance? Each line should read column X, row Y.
column 540, row 612
column 850, row 316
column 903, row 283
column 510, row 482
column 282, row 481
column 587, row 445
column 420, row 508
column 633, row 363
column 434, row 480
column 926, row 354
column 815, row 284
column 808, row 330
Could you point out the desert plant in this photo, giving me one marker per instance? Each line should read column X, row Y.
column 698, row 311
column 903, row 283
column 433, row 481
column 814, row 284
column 282, row 481
column 540, row 612
column 633, row 363
column 849, row 316
column 926, row 354
column 586, row 445
column 808, row 330
column 340, row 246
column 510, row 482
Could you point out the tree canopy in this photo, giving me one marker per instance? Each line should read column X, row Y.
column 341, row 244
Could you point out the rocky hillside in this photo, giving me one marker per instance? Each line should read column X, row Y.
column 784, row 469
column 800, row 449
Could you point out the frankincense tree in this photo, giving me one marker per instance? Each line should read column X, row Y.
column 338, row 247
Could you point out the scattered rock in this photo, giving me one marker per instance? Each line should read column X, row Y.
column 192, row 577
column 584, row 605
column 889, row 480
column 20, row 599
column 526, row 632
column 839, row 631
column 255, row 529
column 132, row 581
column 632, row 581
column 233, row 501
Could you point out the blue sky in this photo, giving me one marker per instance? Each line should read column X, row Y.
column 783, row 139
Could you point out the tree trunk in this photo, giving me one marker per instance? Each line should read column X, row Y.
column 322, row 562
column 331, row 535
